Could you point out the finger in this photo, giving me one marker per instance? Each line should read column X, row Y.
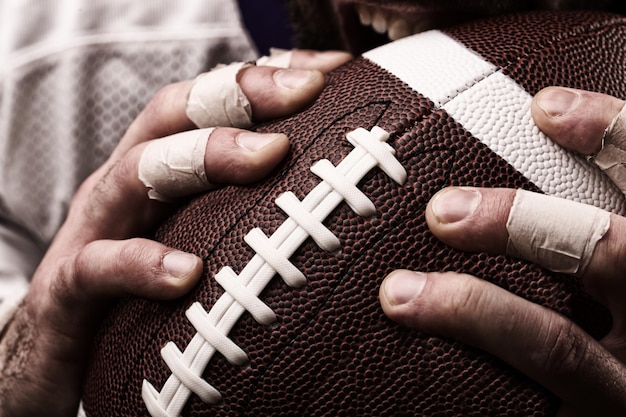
column 275, row 92
column 278, row 93
column 164, row 115
column 167, row 169
column 558, row 233
column 270, row 92
column 137, row 267
column 240, row 94
column 322, row 61
column 63, row 308
column 575, row 119
column 195, row 161
column 539, row 342
column 589, row 123
column 106, row 269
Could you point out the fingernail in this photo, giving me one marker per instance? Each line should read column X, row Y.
column 179, row 264
column 403, row 286
column 455, row 204
column 255, row 141
column 293, row 79
column 557, row 102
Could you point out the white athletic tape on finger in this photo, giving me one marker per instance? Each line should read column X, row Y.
column 173, row 167
column 280, row 58
column 215, row 98
column 558, row 234
column 611, row 159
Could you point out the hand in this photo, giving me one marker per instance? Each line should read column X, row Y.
column 99, row 254
column 588, row 375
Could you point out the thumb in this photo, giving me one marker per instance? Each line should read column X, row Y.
column 575, row 119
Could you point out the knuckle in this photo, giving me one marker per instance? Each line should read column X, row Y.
column 65, row 282
column 244, row 166
column 232, row 166
column 105, row 259
column 112, row 190
column 256, row 83
column 459, row 299
column 487, row 230
column 124, row 170
column 158, row 117
column 161, row 100
column 135, row 258
column 565, row 348
column 466, row 298
column 141, row 264
column 502, row 204
column 81, row 269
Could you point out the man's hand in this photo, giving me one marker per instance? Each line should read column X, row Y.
column 588, row 375
column 99, row 254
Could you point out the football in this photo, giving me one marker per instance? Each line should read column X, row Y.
column 286, row 320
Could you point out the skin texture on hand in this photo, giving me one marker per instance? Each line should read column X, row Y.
column 588, row 375
column 99, row 253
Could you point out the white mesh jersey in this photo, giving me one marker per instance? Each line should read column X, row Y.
column 73, row 76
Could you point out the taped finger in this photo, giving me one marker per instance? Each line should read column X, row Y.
column 216, row 99
column 558, row 234
column 611, row 158
column 173, row 167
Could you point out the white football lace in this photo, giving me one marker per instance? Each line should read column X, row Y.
column 241, row 292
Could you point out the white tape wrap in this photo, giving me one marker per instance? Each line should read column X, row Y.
column 558, row 234
column 215, row 99
column 173, row 167
column 612, row 157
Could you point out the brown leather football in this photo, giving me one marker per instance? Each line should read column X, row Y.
column 286, row 320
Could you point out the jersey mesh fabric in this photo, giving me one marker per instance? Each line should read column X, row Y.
column 74, row 75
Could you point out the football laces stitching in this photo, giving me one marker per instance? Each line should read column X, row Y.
column 241, row 292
